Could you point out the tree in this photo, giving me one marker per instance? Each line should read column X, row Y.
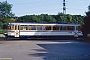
column 5, row 14
column 5, row 9
column 48, row 18
column 69, row 17
column 36, row 18
column 86, row 26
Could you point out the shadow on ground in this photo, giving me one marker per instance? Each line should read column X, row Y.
column 43, row 39
column 54, row 38
column 63, row 50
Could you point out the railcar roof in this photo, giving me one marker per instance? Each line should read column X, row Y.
column 43, row 24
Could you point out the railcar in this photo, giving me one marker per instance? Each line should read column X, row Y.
column 30, row 30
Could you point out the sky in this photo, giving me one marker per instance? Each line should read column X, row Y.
column 52, row 7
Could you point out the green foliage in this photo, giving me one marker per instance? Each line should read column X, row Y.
column 2, row 31
column 48, row 18
column 5, row 9
column 69, row 17
column 36, row 18
column 60, row 17
column 5, row 15
column 1, row 24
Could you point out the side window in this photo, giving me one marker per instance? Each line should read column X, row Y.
column 62, row 27
column 40, row 27
column 48, row 28
column 55, row 27
column 32, row 27
column 71, row 27
column 24, row 27
column 78, row 28
column 11, row 27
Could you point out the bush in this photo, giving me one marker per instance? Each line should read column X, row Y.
column 2, row 31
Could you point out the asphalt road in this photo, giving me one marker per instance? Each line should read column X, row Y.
column 44, row 49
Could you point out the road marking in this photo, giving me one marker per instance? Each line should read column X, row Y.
column 5, row 58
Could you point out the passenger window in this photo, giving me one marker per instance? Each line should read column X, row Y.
column 62, row 27
column 40, row 27
column 32, row 27
column 11, row 27
column 78, row 28
column 48, row 28
column 55, row 27
column 70, row 27
column 24, row 27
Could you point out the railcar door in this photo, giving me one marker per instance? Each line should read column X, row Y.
column 76, row 32
column 17, row 32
